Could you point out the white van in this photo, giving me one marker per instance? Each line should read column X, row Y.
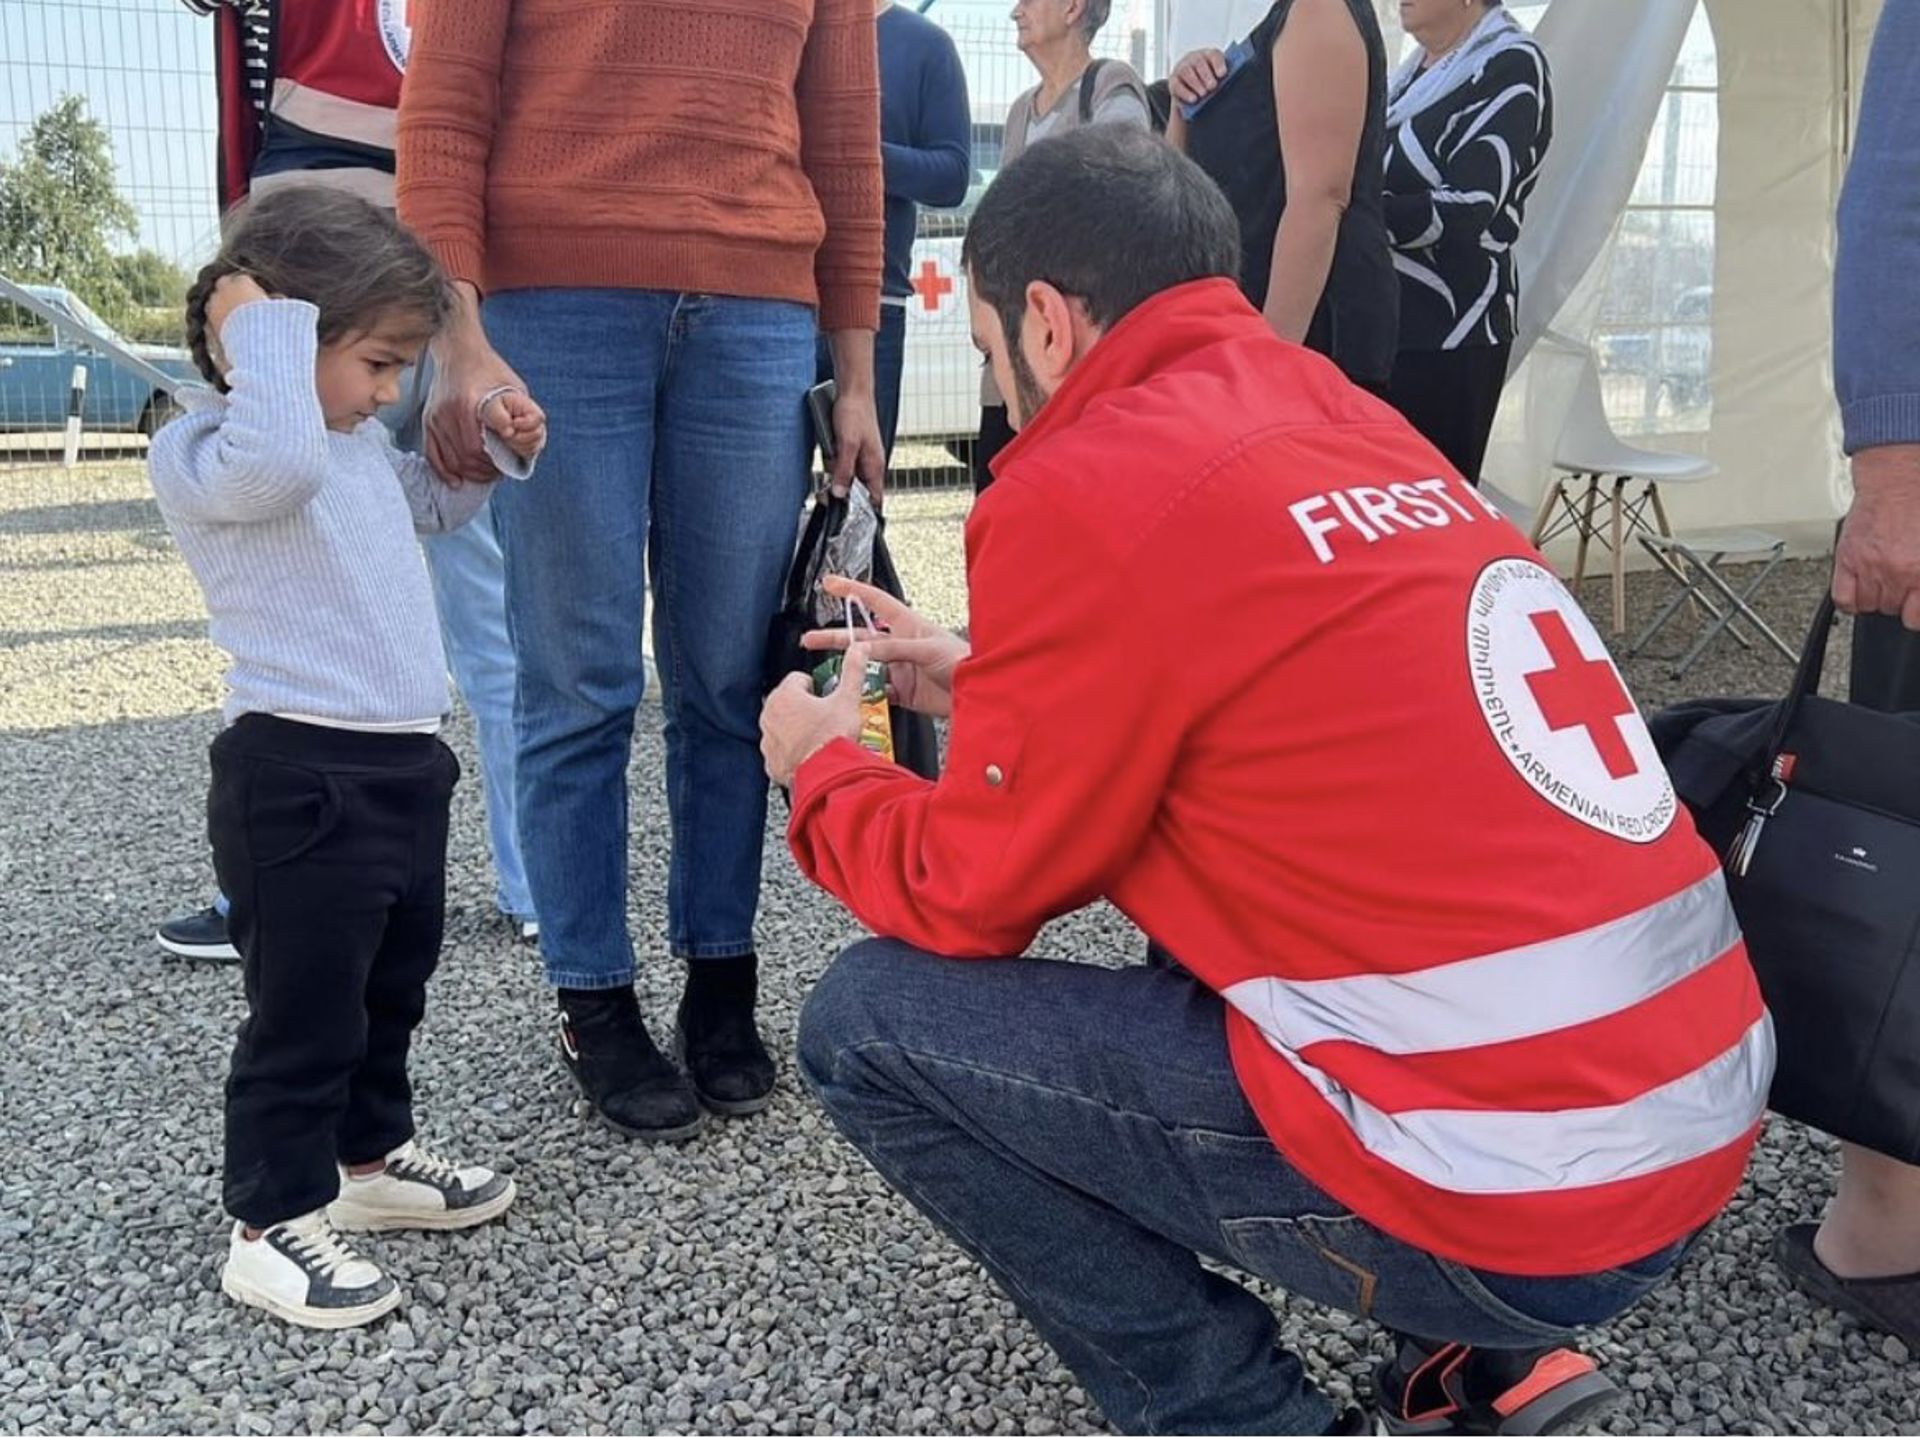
column 940, row 371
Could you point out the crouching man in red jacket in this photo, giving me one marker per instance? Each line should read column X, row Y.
column 1462, row 1037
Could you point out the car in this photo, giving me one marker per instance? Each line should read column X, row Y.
column 38, row 357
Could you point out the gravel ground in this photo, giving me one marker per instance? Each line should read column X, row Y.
column 757, row 1280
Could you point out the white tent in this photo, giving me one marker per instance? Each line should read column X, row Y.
column 1685, row 231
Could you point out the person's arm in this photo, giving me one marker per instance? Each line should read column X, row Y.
column 936, row 167
column 1320, row 93
column 1479, row 165
column 265, row 455
column 839, row 101
column 1876, row 331
column 1123, row 107
column 838, row 95
column 437, row 505
column 448, row 112
column 1064, row 732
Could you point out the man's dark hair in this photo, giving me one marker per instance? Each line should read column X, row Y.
column 1108, row 214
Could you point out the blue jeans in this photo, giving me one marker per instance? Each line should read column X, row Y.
column 889, row 356
column 470, row 593
column 469, row 590
column 678, row 443
column 1079, row 1131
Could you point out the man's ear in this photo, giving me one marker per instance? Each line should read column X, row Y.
column 1052, row 336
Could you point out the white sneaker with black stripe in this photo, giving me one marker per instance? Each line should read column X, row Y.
column 303, row 1272
column 419, row 1190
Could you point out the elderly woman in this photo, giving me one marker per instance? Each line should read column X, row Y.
column 1074, row 90
column 1291, row 124
column 1469, row 117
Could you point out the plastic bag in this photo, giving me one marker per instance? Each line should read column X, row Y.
column 806, row 605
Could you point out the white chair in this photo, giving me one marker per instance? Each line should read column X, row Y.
column 1595, row 467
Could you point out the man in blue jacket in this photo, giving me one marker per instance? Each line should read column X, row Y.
column 927, row 154
column 1865, row 1257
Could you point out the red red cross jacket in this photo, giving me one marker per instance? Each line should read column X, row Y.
column 1249, row 661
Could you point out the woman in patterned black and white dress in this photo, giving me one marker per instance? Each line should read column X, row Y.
column 1469, row 117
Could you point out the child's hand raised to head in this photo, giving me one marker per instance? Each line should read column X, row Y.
column 517, row 420
column 230, row 292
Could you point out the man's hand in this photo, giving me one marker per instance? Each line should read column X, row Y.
column 920, row 656
column 1197, row 76
column 518, row 421
column 466, row 370
column 795, row 724
column 1876, row 566
column 857, row 450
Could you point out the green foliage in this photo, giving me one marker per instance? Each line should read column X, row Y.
column 62, row 219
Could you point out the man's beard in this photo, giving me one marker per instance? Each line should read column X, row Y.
column 1025, row 386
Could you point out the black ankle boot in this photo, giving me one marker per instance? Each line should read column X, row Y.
column 632, row 1085
column 729, row 1065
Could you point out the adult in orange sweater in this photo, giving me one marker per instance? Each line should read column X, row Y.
column 651, row 208
column 1464, row 1038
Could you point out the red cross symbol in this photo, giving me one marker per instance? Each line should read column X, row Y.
column 1576, row 692
column 931, row 286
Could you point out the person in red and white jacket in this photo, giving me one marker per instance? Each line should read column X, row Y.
column 1462, row 1036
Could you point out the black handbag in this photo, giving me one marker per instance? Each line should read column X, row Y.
column 1814, row 804
column 916, row 744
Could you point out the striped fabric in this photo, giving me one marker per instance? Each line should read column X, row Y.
column 1457, row 178
column 1428, row 1068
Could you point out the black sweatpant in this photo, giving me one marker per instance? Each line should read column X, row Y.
column 1451, row 396
column 331, row 846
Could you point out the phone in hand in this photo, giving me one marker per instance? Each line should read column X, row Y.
column 820, row 409
column 1238, row 54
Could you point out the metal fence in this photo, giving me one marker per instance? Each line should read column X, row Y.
column 107, row 204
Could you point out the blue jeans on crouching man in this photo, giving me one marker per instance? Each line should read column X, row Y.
column 1080, row 1132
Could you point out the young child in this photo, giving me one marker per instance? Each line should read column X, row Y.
column 328, row 809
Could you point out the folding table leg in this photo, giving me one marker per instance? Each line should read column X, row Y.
column 1740, row 601
column 1672, row 606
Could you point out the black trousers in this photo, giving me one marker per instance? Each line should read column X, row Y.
column 1886, row 664
column 1450, row 396
column 331, row 847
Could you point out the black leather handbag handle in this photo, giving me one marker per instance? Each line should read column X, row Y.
column 1806, row 675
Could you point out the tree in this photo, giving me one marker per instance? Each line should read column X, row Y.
column 150, row 279
column 61, row 211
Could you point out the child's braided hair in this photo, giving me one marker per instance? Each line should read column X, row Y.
column 351, row 260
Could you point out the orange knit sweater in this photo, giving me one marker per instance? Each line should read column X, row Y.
column 712, row 146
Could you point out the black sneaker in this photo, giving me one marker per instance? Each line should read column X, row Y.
column 1891, row 1305
column 201, row 936
column 1458, row 1389
column 715, row 1037
column 632, row 1085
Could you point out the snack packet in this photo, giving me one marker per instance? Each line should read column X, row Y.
column 876, row 718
